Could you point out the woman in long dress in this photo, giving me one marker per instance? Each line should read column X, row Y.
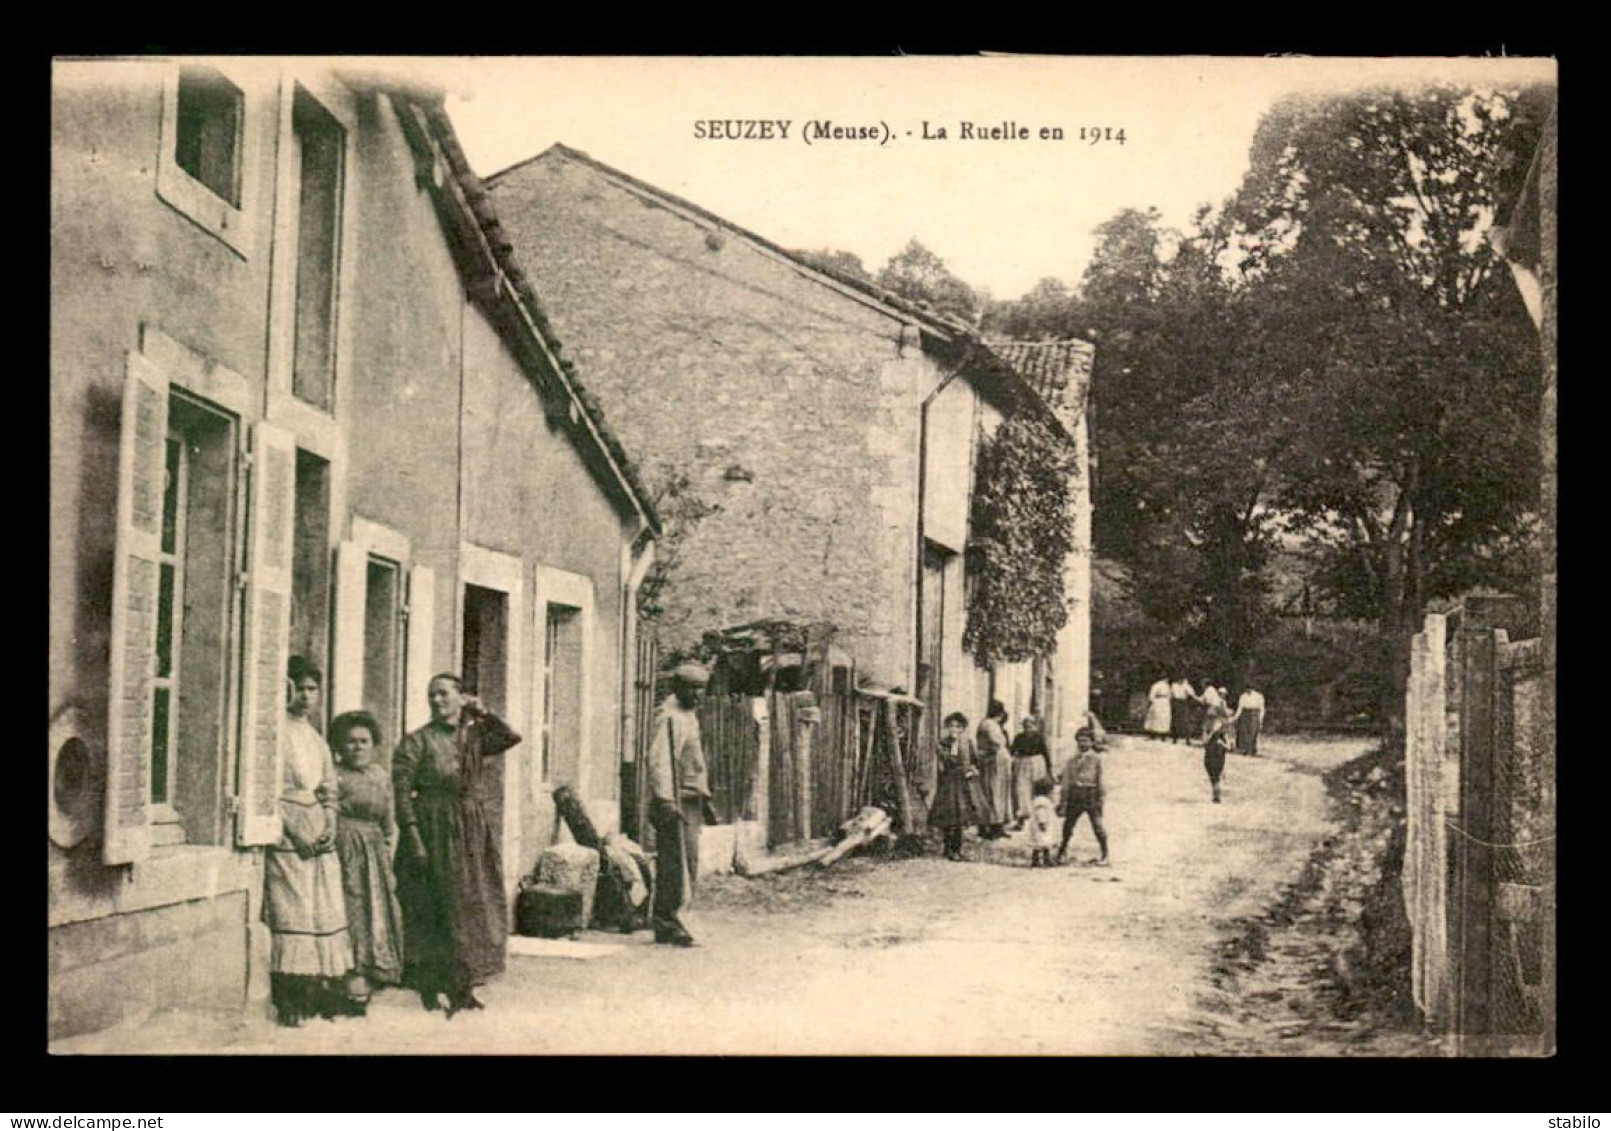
column 1249, row 721
column 995, row 772
column 365, row 834
column 958, row 801
column 1182, row 698
column 1156, row 723
column 303, row 905
column 449, row 866
column 1031, row 763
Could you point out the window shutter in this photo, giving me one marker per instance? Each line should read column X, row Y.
column 142, row 468
column 268, row 631
column 417, row 664
column 347, row 649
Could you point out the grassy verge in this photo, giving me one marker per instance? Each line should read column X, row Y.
column 1327, row 965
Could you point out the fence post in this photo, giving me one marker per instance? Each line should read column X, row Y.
column 1476, row 820
column 1413, row 876
column 1436, row 791
column 804, row 738
column 1474, row 1003
column 760, row 786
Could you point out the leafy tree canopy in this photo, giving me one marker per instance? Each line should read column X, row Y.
column 842, row 262
column 917, row 274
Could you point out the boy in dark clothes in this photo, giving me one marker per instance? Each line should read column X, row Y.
column 1083, row 792
column 1215, row 747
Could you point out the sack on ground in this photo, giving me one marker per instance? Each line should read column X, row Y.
column 571, row 867
column 624, row 884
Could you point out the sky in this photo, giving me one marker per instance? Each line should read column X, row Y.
column 1002, row 213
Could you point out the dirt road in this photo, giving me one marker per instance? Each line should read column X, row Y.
column 905, row 957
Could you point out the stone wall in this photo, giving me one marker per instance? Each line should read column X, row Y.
column 792, row 404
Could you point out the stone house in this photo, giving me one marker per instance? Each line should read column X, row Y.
column 301, row 402
column 833, row 426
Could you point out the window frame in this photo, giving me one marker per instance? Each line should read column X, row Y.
column 307, row 107
column 207, row 387
column 572, row 614
column 391, row 721
column 234, row 225
column 505, row 573
column 559, row 587
column 200, row 414
column 164, row 812
column 306, row 418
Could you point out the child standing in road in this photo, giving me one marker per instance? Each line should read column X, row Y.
column 1042, row 814
column 958, row 801
column 1083, row 792
column 1215, row 747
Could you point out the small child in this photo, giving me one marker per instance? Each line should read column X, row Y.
column 1041, row 815
column 1215, row 747
column 1083, row 792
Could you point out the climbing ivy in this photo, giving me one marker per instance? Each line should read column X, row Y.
column 681, row 509
column 1022, row 531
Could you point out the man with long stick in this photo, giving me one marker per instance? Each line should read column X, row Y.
column 679, row 794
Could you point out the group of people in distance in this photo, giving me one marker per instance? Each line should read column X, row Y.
column 343, row 919
column 991, row 783
column 1178, row 712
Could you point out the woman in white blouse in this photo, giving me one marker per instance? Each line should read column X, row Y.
column 303, row 903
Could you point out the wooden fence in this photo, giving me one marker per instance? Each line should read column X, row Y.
column 732, row 746
column 820, row 756
column 826, row 756
column 1479, row 868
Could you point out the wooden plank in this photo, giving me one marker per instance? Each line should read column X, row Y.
column 1473, row 1007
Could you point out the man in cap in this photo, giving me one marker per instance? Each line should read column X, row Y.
column 678, row 794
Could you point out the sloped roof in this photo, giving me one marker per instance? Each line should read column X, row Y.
column 496, row 283
column 932, row 319
column 960, row 343
column 1058, row 371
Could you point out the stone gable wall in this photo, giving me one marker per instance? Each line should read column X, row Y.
column 788, row 403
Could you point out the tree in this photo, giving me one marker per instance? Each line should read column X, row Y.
column 1047, row 313
column 838, row 262
column 1360, row 227
column 1186, row 486
column 915, row 273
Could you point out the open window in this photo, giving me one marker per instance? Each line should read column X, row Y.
column 190, row 682
column 173, row 621
column 209, row 147
column 208, row 131
column 382, row 643
column 310, row 572
column 486, row 646
column 319, row 147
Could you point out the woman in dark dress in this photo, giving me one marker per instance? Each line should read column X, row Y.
column 958, row 800
column 995, row 772
column 449, row 867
